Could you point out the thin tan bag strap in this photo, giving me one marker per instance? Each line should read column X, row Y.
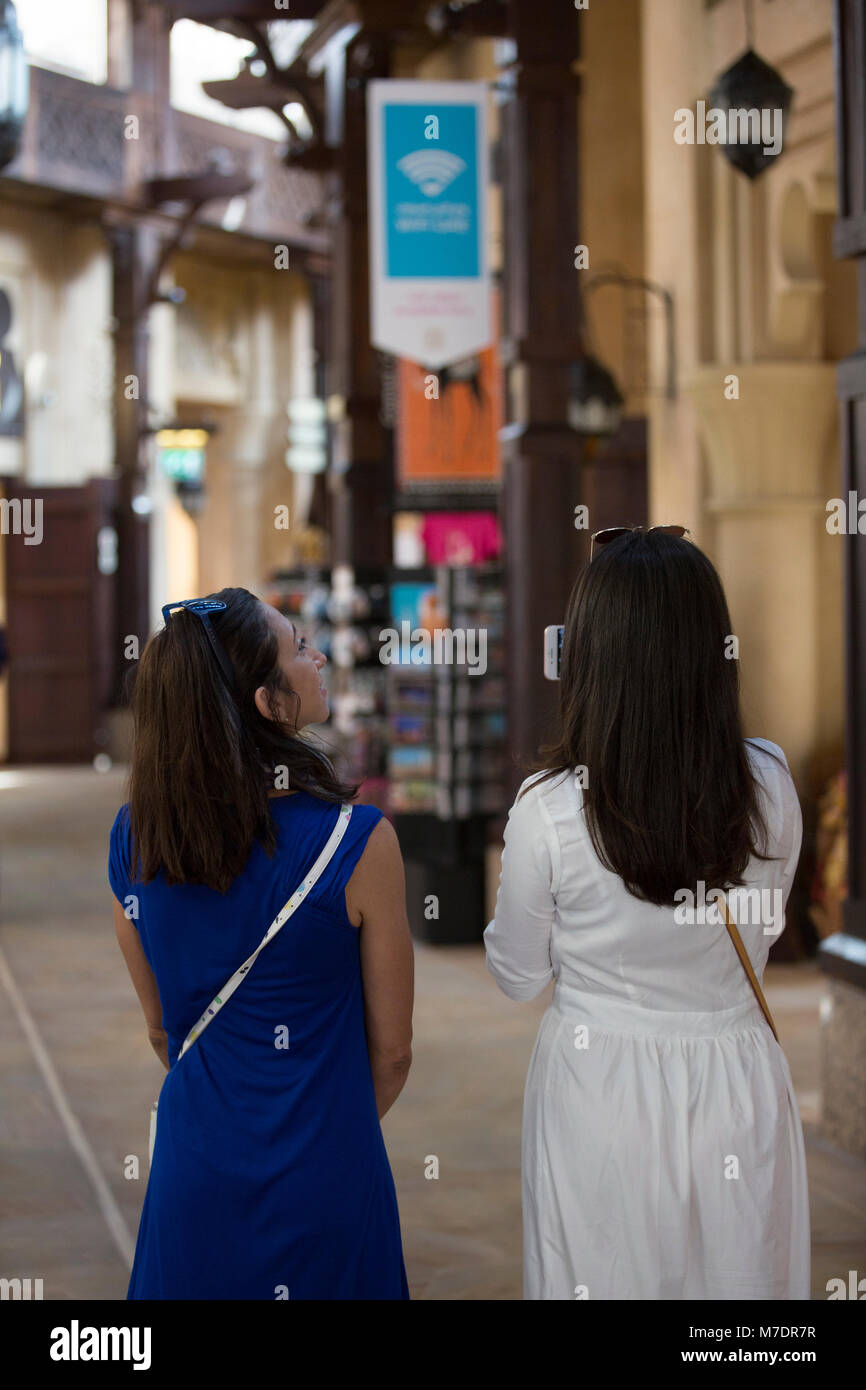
column 747, row 966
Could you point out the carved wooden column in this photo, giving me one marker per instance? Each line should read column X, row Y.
column 541, row 452
column 140, row 51
column 362, row 481
column 318, row 271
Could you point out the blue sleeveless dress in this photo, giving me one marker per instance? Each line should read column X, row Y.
column 269, row 1178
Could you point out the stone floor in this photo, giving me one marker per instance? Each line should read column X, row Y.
column 77, row 1079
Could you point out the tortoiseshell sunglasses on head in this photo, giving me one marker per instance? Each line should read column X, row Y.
column 612, row 533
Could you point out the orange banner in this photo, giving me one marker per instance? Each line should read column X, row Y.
column 448, row 421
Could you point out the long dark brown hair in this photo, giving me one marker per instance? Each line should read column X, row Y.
column 649, row 705
column 204, row 758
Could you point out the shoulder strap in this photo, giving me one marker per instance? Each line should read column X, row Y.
column 279, row 921
column 747, row 966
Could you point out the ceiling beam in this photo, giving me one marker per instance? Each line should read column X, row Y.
column 397, row 18
column 245, row 91
column 486, row 19
column 211, row 11
column 196, row 188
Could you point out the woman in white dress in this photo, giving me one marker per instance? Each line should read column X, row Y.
column 663, row 1152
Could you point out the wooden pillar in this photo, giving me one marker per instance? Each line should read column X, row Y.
column 318, row 272
column 541, row 452
column 362, row 481
column 139, row 41
column 131, row 267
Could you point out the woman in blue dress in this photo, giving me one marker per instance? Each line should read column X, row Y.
column 269, row 1177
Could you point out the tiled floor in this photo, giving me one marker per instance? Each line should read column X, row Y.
column 70, row 1193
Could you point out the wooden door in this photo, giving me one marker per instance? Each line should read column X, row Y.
column 60, row 598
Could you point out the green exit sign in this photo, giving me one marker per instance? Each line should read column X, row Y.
column 183, row 465
column 182, row 454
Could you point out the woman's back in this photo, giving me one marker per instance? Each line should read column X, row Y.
column 195, row 938
column 269, row 1153
column 662, row 1152
column 604, row 941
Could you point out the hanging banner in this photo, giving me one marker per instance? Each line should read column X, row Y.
column 428, row 179
column 449, row 430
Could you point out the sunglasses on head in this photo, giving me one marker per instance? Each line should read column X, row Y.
column 202, row 608
column 612, row 533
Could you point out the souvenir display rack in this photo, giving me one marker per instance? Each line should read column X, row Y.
column 447, row 749
column 446, row 719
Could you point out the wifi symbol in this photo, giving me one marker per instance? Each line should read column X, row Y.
column 431, row 170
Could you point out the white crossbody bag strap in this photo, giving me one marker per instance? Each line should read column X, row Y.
column 279, row 921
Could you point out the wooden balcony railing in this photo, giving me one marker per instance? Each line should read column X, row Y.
column 98, row 142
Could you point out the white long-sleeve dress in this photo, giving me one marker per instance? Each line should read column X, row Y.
column 662, row 1153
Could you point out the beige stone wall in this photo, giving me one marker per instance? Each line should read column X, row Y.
column 611, row 194
column 58, row 276
column 758, row 298
column 234, row 353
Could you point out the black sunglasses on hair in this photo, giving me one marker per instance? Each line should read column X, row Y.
column 202, row 607
column 612, row 533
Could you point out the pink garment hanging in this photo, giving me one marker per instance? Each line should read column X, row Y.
column 461, row 538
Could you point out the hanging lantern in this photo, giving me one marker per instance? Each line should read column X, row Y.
column 753, row 101
column 14, row 84
column 595, row 402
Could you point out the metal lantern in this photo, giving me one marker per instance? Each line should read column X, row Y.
column 192, row 496
column 751, row 94
column 595, row 403
column 14, row 84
